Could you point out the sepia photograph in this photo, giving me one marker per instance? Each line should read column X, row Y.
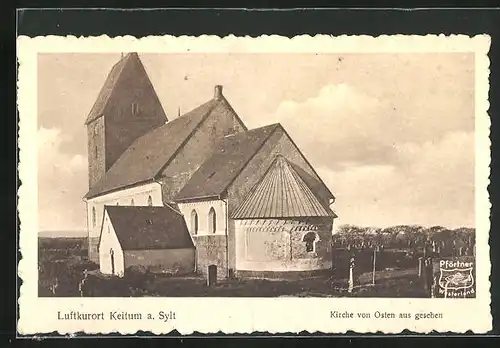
column 234, row 174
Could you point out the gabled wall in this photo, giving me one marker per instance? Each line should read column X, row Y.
column 202, row 209
column 110, row 241
column 211, row 248
column 222, row 121
column 124, row 197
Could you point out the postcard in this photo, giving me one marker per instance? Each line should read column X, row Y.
column 237, row 185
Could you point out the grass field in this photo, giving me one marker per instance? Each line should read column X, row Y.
column 62, row 261
column 402, row 283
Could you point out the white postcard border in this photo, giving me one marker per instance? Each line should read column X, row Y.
column 247, row 315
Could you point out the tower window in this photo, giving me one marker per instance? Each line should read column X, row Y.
column 132, row 203
column 135, row 108
column 212, row 221
column 93, row 217
column 194, row 222
column 150, row 201
column 95, row 151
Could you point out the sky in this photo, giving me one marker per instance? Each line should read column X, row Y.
column 392, row 135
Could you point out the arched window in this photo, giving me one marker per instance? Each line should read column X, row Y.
column 212, row 221
column 310, row 239
column 150, row 201
column 117, row 203
column 194, row 222
column 132, row 202
column 94, row 218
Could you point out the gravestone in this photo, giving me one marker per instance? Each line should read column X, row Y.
column 351, row 275
column 420, row 266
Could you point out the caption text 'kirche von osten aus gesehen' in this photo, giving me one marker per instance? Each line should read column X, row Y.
column 384, row 315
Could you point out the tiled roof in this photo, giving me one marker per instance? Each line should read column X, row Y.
column 281, row 193
column 148, row 155
column 146, row 228
column 107, row 89
column 229, row 159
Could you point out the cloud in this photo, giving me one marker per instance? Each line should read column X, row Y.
column 344, row 126
column 61, row 182
column 433, row 183
column 340, row 121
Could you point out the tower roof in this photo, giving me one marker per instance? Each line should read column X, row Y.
column 109, row 85
column 281, row 193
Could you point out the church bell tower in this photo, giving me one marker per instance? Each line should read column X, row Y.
column 126, row 108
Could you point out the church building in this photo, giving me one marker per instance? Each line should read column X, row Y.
column 179, row 195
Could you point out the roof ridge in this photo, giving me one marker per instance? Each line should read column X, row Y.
column 252, row 156
column 251, row 130
column 191, row 110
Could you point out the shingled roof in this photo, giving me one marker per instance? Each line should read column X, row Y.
column 281, row 193
column 148, row 155
column 107, row 89
column 147, row 228
column 227, row 161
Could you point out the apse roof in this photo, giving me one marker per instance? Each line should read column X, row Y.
column 281, row 193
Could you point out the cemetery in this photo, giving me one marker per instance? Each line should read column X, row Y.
column 363, row 265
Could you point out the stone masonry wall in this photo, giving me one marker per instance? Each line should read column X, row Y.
column 211, row 250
